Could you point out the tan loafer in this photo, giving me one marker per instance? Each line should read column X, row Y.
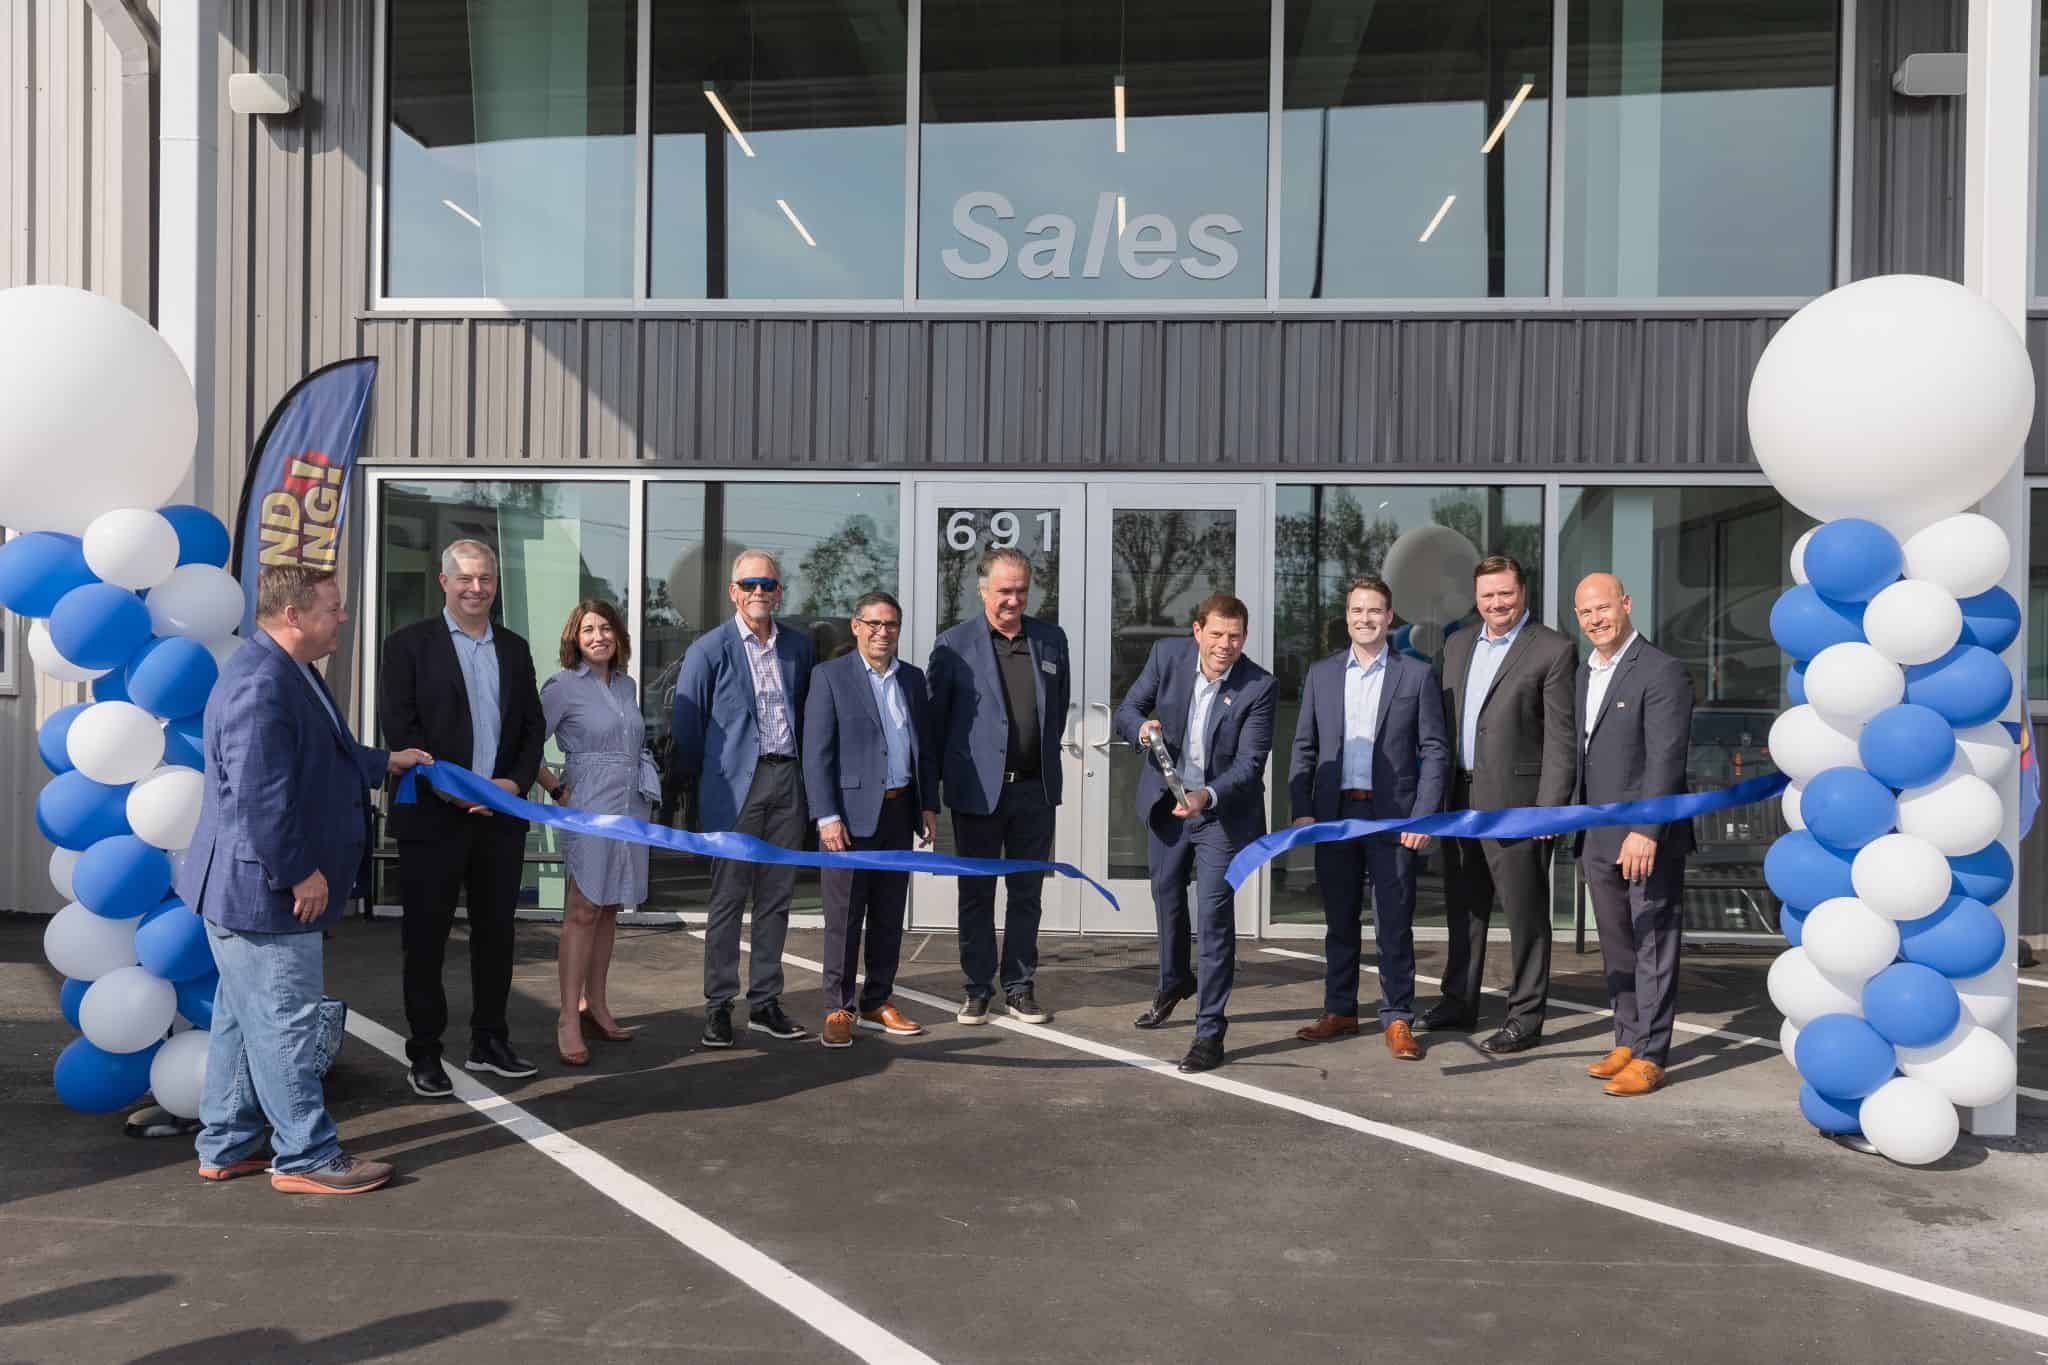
column 1637, row 1078
column 235, row 1170
column 1328, row 1027
column 838, row 1030
column 1608, row 1067
column 886, row 1018
column 1401, row 1041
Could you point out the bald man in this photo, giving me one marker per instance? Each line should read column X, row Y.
column 1635, row 727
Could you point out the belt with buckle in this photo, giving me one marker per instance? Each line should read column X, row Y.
column 1009, row 777
column 778, row 758
column 1354, row 794
column 894, row 792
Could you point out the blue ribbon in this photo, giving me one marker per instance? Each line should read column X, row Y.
column 1516, row 822
column 464, row 785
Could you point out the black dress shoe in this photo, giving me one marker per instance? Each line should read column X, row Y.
column 770, row 1019
column 495, row 1054
column 1511, row 1038
column 1204, row 1054
column 1162, row 1008
column 1447, row 1016
column 428, row 1080
column 718, row 1026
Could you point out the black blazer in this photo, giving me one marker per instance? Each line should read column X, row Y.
column 1527, row 750
column 422, row 703
column 1638, row 747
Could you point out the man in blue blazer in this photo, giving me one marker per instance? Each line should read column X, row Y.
column 871, row 768
column 283, row 826
column 1000, row 692
column 1214, row 709
column 737, row 730
column 1371, row 744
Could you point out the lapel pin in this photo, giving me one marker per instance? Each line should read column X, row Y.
column 1226, row 699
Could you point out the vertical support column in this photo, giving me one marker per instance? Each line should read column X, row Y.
column 188, row 213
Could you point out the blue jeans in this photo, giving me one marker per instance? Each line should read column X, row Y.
column 261, row 1066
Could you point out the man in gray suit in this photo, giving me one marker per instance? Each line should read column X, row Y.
column 1508, row 698
column 1635, row 722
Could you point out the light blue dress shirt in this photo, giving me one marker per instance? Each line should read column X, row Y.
column 1487, row 654
column 479, row 662
column 895, row 721
column 1362, row 684
column 1194, row 755
column 320, row 692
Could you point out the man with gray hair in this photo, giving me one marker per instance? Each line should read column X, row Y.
column 737, row 733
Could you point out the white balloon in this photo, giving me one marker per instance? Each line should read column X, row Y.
column 1990, row 996
column 1860, row 388
column 62, row 861
column 1913, row 621
column 1804, row 744
column 127, row 1009
column 224, row 648
column 1803, row 992
column 96, row 412
column 1972, row 1066
column 1910, row 1122
column 1430, row 570
column 178, row 1072
column 1851, row 682
column 163, row 808
column 1848, row 941
column 1426, row 637
column 43, row 652
column 1986, row 750
column 1788, row 1038
column 1958, row 812
column 115, row 742
column 1901, row 876
column 85, row 946
column 131, row 546
column 198, row 601
column 1799, row 554
column 1794, row 793
column 1964, row 555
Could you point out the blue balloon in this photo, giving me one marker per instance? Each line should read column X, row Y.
column 1804, row 623
column 99, row 625
column 174, row 945
column 1795, row 683
column 1961, row 938
column 1792, row 923
column 111, row 686
column 38, row 569
column 1984, row 875
column 195, row 999
column 1843, row 1057
column 1968, row 685
column 1991, row 620
column 1401, row 635
column 1846, row 808
column 96, row 1082
column 172, row 677
column 1840, row 1117
column 1852, row 560
column 1911, row 1005
column 51, row 738
column 75, row 812
column 1907, row 745
column 121, row 877
column 68, row 997
column 181, row 751
column 201, row 537
column 1801, row 870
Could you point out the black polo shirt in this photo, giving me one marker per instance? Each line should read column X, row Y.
column 1020, row 699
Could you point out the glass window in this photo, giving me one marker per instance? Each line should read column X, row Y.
column 1416, row 148
column 510, row 158
column 1324, row 536
column 2037, row 594
column 1700, row 148
column 800, row 103
column 1077, row 149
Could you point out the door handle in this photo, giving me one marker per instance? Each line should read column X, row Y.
column 1109, row 739
column 1067, row 742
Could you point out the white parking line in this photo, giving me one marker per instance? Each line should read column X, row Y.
column 761, row 1273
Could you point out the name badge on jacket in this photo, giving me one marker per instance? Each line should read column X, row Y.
column 1049, row 666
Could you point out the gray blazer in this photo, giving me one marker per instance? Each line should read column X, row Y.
column 1638, row 747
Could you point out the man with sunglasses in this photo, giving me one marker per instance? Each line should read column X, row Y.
column 737, row 731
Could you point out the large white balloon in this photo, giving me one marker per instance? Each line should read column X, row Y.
column 1860, row 388
column 1910, row 1122
column 1986, row 750
column 224, row 649
column 1972, row 1066
column 96, row 411
column 1804, row 744
column 1788, row 1039
column 1958, row 813
column 115, row 742
column 1799, row 554
column 163, row 808
column 62, row 862
column 198, row 602
column 1901, row 876
column 178, row 1072
column 131, row 546
column 1913, row 621
column 1851, row 682
column 1964, row 555
column 1794, row 794
column 127, row 1009
column 1848, row 941
column 85, row 946
column 1989, row 997
column 1430, row 570
column 1803, row 992
column 49, row 660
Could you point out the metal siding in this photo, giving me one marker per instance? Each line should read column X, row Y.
column 1908, row 184
column 442, row 388
column 783, row 392
column 612, row 414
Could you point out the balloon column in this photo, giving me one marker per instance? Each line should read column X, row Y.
column 134, row 601
column 1886, row 409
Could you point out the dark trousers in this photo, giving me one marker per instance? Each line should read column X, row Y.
column 480, row 862
column 1021, row 826
column 1640, row 927
column 773, row 811
column 1175, row 845
column 1517, row 873
column 872, row 900
column 1340, row 871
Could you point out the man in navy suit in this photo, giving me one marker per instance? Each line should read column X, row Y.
column 282, row 830
column 1000, row 691
column 737, row 728
column 1370, row 745
column 1214, row 709
column 871, row 767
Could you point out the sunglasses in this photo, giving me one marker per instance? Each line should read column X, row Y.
column 757, row 584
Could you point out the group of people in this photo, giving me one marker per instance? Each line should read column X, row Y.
column 866, row 749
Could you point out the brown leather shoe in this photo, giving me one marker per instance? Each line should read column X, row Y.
column 1637, row 1078
column 1328, row 1027
column 1608, row 1067
column 838, row 1030
column 235, row 1170
column 1401, row 1041
column 886, row 1018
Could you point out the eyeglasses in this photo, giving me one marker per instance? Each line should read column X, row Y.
column 757, row 584
column 877, row 625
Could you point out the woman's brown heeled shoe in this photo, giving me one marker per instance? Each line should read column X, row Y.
column 580, row 1057
column 610, row 1035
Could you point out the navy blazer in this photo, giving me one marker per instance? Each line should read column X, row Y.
column 1638, row 747
column 286, row 796
column 1411, row 747
column 846, row 753
column 1238, row 738
column 972, row 721
column 715, row 741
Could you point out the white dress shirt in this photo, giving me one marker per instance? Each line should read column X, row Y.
column 1363, row 681
column 1194, row 755
column 1598, row 677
